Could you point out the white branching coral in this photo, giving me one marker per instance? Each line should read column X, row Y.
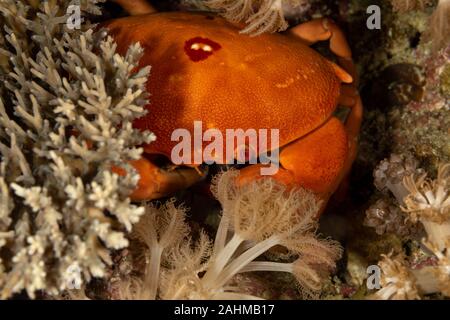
column 427, row 202
column 66, row 110
column 259, row 15
column 256, row 218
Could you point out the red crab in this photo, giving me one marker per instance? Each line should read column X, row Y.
column 204, row 69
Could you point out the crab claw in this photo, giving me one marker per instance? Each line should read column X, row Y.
column 155, row 182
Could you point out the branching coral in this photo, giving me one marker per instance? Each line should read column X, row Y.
column 66, row 111
column 428, row 201
column 256, row 218
column 260, row 15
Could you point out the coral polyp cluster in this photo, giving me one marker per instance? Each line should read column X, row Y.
column 426, row 201
column 179, row 268
column 260, row 16
column 385, row 215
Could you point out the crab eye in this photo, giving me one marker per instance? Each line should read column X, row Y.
column 199, row 49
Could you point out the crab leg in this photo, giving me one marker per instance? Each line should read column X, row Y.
column 155, row 182
column 136, row 7
column 325, row 29
column 322, row 160
column 352, row 126
column 314, row 162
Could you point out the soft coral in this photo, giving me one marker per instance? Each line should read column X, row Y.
column 260, row 16
column 256, row 218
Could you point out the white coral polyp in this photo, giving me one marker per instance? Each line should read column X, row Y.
column 430, row 199
column 397, row 280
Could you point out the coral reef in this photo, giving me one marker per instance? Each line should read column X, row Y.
column 414, row 114
column 66, row 110
column 255, row 219
column 67, row 104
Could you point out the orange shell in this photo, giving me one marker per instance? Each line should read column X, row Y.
column 268, row 81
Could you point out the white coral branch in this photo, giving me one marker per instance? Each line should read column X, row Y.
column 63, row 124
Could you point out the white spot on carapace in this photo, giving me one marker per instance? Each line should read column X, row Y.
column 285, row 84
column 201, row 46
